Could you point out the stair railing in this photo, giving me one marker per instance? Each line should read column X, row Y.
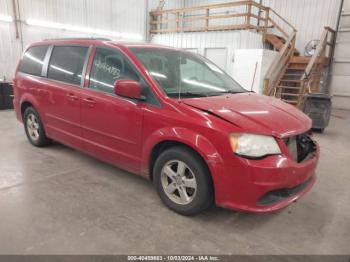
column 240, row 15
column 281, row 61
column 310, row 81
column 279, row 65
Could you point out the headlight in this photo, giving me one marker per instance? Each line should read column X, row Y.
column 254, row 146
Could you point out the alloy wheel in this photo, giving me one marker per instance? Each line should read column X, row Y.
column 178, row 182
column 33, row 127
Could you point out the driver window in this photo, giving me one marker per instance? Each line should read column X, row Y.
column 109, row 66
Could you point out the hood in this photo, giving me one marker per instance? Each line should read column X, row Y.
column 255, row 113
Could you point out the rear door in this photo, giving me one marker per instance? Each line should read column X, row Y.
column 65, row 72
column 111, row 125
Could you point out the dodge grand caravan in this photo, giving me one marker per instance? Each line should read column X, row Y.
column 168, row 115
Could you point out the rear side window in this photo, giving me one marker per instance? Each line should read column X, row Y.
column 33, row 60
column 66, row 64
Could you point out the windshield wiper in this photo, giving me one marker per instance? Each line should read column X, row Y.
column 188, row 94
column 219, row 93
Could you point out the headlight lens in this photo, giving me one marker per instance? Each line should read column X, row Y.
column 254, row 146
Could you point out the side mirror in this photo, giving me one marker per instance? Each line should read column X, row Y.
column 128, row 89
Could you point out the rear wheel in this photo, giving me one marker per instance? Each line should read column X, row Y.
column 183, row 181
column 34, row 128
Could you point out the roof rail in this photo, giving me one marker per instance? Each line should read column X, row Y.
column 80, row 38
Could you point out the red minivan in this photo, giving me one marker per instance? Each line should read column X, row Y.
column 171, row 116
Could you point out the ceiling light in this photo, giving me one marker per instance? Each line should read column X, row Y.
column 90, row 31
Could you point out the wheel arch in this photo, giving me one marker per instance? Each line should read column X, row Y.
column 161, row 147
column 197, row 143
column 26, row 101
column 24, row 106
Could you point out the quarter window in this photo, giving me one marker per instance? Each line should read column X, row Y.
column 33, row 60
column 109, row 66
column 66, row 64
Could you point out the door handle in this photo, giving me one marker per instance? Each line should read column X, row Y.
column 72, row 97
column 89, row 101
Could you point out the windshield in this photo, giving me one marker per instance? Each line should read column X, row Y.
column 190, row 74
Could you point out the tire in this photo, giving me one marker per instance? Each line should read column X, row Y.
column 34, row 128
column 187, row 179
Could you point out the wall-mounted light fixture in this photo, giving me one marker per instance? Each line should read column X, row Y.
column 90, row 31
column 6, row 18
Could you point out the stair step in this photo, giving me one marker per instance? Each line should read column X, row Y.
column 300, row 67
column 299, row 70
column 290, row 101
column 288, row 94
column 287, row 74
column 300, row 59
column 289, row 87
column 290, row 80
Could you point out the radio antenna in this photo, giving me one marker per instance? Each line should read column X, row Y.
column 256, row 66
column 180, row 84
column 181, row 46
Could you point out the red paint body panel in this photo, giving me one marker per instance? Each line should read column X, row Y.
column 112, row 128
column 254, row 113
column 124, row 132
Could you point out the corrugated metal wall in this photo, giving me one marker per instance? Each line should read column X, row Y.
column 107, row 15
column 9, row 47
column 340, row 73
column 153, row 4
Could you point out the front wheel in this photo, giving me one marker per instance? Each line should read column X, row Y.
column 183, row 181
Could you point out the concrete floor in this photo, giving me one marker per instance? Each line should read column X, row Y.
column 56, row 200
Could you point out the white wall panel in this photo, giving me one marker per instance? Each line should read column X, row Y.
column 107, row 15
column 251, row 66
column 229, row 40
column 218, row 56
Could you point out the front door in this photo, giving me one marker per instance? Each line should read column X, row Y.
column 111, row 125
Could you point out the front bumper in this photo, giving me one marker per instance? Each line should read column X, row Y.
column 249, row 184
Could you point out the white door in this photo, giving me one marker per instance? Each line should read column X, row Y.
column 218, row 56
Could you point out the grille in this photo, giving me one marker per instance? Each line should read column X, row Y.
column 300, row 147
